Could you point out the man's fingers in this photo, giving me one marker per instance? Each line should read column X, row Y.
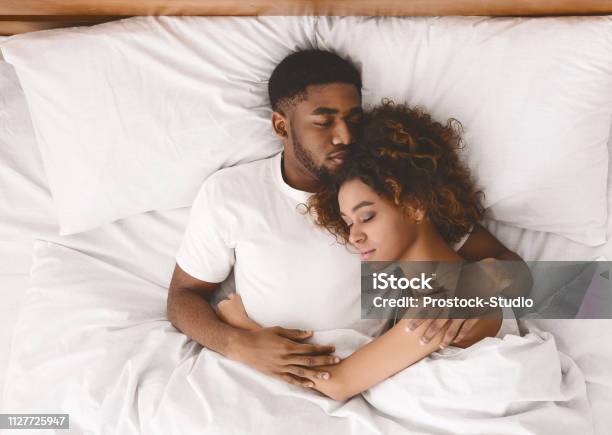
column 304, row 372
column 429, row 313
column 424, row 325
column 465, row 329
column 311, row 360
column 451, row 332
column 294, row 380
column 292, row 334
column 414, row 324
column 314, row 349
column 432, row 330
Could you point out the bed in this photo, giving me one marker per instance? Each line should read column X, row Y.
column 84, row 327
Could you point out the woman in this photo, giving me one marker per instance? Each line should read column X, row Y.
column 402, row 194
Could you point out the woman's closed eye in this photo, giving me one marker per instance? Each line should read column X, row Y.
column 368, row 217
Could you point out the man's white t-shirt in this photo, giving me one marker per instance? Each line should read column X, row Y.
column 288, row 271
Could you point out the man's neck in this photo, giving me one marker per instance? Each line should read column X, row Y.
column 298, row 178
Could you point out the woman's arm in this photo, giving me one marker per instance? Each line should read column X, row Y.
column 232, row 312
column 377, row 360
column 390, row 353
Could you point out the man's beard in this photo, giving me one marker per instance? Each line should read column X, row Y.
column 305, row 158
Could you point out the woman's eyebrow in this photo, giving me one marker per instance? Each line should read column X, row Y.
column 361, row 204
column 358, row 206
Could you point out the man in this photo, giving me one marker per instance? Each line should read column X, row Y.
column 288, row 271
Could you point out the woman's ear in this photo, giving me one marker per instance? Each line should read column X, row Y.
column 418, row 214
column 279, row 124
column 396, row 189
column 412, row 209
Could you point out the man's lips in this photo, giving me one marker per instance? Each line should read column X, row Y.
column 338, row 156
column 366, row 254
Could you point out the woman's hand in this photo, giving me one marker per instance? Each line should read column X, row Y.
column 232, row 312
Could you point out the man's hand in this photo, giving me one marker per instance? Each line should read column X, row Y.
column 483, row 278
column 460, row 332
column 456, row 332
column 277, row 352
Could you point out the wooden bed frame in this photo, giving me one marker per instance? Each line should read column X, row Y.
column 18, row 16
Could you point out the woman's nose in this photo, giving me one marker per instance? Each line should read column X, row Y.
column 356, row 236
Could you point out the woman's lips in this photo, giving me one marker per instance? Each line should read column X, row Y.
column 365, row 255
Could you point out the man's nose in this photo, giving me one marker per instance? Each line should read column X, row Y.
column 342, row 134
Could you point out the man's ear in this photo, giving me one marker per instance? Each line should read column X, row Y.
column 279, row 124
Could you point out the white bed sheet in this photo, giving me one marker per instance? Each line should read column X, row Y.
column 108, row 356
column 26, row 206
column 144, row 246
column 12, row 290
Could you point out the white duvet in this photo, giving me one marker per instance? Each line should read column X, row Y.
column 95, row 343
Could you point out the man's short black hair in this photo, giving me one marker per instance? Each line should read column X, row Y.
column 309, row 67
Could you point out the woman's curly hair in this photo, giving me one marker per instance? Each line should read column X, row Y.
column 412, row 161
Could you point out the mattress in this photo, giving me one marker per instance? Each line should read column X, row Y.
column 138, row 253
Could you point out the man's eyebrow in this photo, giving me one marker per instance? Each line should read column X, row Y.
column 358, row 206
column 330, row 111
column 324, row 111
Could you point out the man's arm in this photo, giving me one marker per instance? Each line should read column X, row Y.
column 481, row 244
column 274, row 351
column 508, row 267
column 190, row 312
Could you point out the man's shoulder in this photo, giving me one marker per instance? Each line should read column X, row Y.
column 243, row 169
column 237, row 178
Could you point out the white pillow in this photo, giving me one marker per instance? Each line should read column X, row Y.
column 534, row 97
column 133, row 115
column 26, row 206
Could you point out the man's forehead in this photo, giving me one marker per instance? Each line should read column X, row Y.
column 331, row 99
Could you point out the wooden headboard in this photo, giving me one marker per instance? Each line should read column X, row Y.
column 17, row 16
